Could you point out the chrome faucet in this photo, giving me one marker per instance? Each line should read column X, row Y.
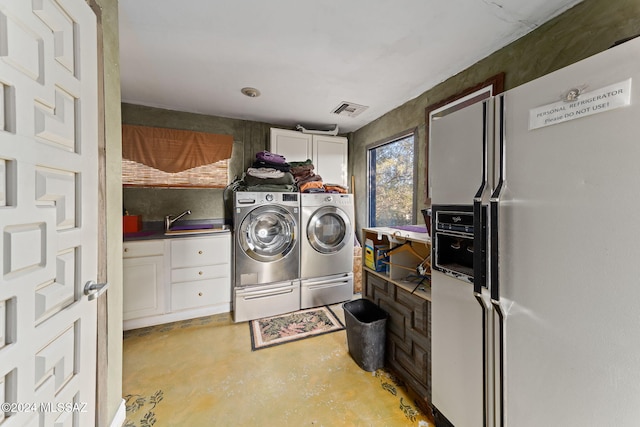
column 168, row 221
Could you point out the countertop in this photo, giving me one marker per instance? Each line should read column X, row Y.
column 154, row 230
column 414, row 232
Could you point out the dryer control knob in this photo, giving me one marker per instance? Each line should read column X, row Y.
column 328, row 199
column 269, row 197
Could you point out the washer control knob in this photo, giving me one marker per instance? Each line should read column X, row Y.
column 269, row 197
column 328, row 199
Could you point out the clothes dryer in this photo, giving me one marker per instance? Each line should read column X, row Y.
column 266, row 254
column 326, row 252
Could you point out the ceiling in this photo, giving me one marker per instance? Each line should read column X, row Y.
column 308, row 57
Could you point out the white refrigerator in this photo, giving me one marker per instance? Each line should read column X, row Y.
column 536, row 251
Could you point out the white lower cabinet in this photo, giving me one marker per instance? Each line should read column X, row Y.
column 201, row 273
column 143, row 271
column 176, row 279
column 143, row 295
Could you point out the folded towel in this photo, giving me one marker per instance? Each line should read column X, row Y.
column 286, row 179
column 304, row 177
column 313, row 178
column 281, row 167
column 267, row 156
column 296, row 170
column 265, row 173
column 309, row 185
column 335, row 188
column 274, row 188
column 305, row 163
column 302, row 173
column 315, row 190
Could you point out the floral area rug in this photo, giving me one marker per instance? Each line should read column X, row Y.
column 276, row 330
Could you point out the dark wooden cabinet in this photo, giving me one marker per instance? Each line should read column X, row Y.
column 397, row 280
column 408, row 344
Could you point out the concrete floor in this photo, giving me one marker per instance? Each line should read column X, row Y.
column 203, row 373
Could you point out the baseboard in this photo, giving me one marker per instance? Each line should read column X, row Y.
column 121, row 415
column 176, row 316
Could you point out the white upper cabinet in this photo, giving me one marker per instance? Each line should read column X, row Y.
column 293, row 145
column 330, row 158
column 329, row 154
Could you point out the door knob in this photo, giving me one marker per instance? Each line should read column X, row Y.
column 93, row 290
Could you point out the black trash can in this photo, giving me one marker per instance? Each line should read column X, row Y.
column 366, row 332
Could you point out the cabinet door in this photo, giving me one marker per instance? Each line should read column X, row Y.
column 330, row 158
column 143, row 287
column 293, row 145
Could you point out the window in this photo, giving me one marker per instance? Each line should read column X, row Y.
column 391, row 181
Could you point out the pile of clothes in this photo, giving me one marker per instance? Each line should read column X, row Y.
column 309, row 182
column 306, row 179
column 269, row 172
column 335, row 188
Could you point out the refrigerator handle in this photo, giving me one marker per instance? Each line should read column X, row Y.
column 480, row 257
column 494, row 268
column 493, row 208
column 479, row 247
column 479, row 215
column 485, row 361
column 499, row 384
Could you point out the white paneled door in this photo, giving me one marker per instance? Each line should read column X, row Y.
column 48, row 212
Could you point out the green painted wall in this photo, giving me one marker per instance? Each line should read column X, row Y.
column 588, row 28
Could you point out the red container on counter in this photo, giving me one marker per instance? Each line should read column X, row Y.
column 131, row 223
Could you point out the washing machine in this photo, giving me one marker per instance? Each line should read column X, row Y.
column 326, row 250
column 266, row 254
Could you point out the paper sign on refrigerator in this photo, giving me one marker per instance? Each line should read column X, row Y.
column 576, row 105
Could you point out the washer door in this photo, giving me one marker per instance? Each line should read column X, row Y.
column 268, row 233
column 328, row 230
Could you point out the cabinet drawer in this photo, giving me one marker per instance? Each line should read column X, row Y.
column 194, row 252
column 146, row 248
column 189, row 274
column 201, row 293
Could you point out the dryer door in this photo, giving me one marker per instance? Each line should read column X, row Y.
column 329, row 230
column 268, row 233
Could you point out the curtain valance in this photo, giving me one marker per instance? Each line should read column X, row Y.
column 173, row 150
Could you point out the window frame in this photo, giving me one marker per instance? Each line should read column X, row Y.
column 371, row 178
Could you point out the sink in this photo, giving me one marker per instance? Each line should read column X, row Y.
column 183, row 229
column 192, row 227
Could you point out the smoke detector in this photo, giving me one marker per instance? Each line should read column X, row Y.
column 349, row 109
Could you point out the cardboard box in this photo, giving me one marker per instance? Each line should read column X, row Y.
column 357, row 269
column 374, row 256
column 368, row 254
column 369, row 260
column 382, row 261
column 131, row 223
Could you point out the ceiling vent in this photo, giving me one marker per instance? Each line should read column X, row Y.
column 349, row 109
